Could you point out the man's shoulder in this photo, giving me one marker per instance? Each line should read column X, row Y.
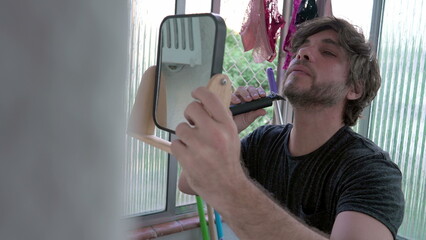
column 356, row 144
column 354, row 151
column 369, row 182
column 361, row 153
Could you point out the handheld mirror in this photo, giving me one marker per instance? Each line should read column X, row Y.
column 190, row 53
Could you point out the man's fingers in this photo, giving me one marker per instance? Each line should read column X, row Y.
column 212, row 104
column 184, row 133
column 196, row 114
column 235, row 99
column 181, row 151
column 178, row 148
column 243, row 93
column 247, row 94
column 261, row 92
column 254, row 94
column 244, row 120
column 253, row 115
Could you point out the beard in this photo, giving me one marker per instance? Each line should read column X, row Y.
column 318, row 95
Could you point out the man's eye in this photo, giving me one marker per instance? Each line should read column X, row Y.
column 328, row 53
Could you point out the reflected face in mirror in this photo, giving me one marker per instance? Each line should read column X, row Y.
column 190, row 52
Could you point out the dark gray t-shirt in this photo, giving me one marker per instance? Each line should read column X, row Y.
column 348, row 173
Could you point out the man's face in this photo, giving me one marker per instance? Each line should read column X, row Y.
column 317, row 75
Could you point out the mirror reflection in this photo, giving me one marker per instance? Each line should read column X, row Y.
column 190, row 52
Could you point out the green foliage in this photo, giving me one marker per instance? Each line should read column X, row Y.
column 243, row 71
column 239, row 65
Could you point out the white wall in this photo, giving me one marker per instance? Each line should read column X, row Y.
column 63, row 71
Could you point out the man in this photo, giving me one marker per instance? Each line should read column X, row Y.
column 313, row 179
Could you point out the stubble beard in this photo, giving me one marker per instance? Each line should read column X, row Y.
column 317, row 96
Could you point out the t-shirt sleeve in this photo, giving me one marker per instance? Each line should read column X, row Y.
column 372, row 185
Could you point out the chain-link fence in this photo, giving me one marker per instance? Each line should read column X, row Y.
column 243, row 71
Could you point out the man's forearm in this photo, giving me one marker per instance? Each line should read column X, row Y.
column 251, row 214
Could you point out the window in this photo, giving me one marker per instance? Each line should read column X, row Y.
column 358, row 13
column 398, row 115
column 150, row 176
column 145, row 167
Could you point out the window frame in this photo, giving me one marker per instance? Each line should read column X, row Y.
column 171, row 212
column 374, row 39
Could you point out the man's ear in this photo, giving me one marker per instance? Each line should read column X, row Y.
column 355, row 92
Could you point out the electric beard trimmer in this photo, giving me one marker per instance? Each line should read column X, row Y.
column 262, row 102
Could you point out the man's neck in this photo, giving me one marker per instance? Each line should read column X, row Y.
column 312, row 128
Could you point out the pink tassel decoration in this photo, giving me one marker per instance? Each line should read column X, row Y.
column 260, row 29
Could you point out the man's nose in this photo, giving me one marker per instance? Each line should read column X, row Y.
column 305, row 54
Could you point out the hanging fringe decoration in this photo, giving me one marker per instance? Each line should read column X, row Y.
column 260, row 29
column 290, row 32
column 274, row 21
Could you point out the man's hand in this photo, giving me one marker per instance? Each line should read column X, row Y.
column 247, row 94
column 242, row 121
column 208, row 147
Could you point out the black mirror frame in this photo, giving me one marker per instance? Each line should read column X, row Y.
column 217, row 61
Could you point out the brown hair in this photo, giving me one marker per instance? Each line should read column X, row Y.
column 364, row 72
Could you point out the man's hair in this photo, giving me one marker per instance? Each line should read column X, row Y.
column 364, row 74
